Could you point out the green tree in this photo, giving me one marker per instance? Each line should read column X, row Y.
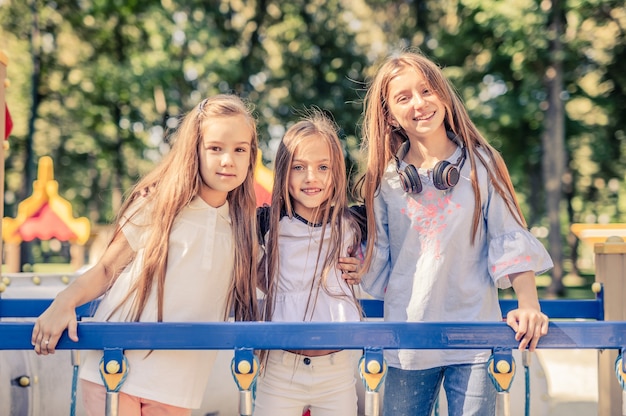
column 106, row 81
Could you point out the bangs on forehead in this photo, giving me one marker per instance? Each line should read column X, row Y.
column 308, row 136
column 204, row 121
column 315, row 137
column 401, row 67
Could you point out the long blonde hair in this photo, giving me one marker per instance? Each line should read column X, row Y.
column 172, row 185
column 335, row 215
column 381, row 141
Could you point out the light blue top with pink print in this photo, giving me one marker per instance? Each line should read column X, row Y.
column 425, row 267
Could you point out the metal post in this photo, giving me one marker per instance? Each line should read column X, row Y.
column 610, row 259
column 245, row 370
column 501, row 371
column 373, row 370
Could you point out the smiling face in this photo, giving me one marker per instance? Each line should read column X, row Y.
column 310, row 177
column 413, row 105
column 224, row 152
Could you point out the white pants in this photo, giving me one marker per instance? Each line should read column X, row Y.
column 292, row 383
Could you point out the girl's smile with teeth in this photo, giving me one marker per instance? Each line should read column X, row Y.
column 426, row 117
column 311, row 190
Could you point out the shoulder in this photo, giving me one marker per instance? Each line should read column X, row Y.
column 485, row 157
column 138, row 211
column 482, row 163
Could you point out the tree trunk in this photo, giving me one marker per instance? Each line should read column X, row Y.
column 553, row 140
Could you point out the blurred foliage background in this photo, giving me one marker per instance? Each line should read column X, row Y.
column 99, row 84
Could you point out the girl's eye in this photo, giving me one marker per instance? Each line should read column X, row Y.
column 324, row 168
column 215, row 148
column 241, row 150
column 402, row 99
column 298, row 167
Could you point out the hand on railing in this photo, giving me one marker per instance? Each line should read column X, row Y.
column 50, row 326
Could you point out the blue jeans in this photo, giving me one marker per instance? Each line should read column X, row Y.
column 469, row 391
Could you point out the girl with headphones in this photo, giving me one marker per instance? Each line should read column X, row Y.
column 445, row 232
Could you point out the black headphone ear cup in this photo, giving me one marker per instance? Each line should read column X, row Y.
column 445, row 175
column 412, row 179
column 404, row 181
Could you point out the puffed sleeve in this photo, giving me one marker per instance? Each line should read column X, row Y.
column 512, row 248
column 135, row 223
column 374, row 282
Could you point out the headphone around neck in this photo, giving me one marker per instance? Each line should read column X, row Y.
column 445, row 174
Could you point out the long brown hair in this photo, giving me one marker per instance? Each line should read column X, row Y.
column 335, row 216
column 172, row 185
column 381, row 141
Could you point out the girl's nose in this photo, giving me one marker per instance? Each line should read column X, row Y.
column 418, row 101
column 227, row 159
column 310, row 174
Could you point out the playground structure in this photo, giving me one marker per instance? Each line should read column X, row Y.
column 603, row 328
column 44, row 215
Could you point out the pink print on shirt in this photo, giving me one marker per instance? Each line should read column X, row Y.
column 511, row 262
column 429, row 216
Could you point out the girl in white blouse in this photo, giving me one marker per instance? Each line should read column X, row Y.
column 173, row 258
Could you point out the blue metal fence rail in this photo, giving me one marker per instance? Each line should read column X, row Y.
column 555, row 309
column 313, row 335
column 271, row 335
column 30, row 308
column 587, row 331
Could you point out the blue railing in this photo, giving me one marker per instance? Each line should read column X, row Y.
column 348, row 335
column 355, row 335
column 555, row 309
column 575, row 324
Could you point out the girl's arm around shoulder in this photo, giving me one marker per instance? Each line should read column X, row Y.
column 528, row 322
column 61, row 314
